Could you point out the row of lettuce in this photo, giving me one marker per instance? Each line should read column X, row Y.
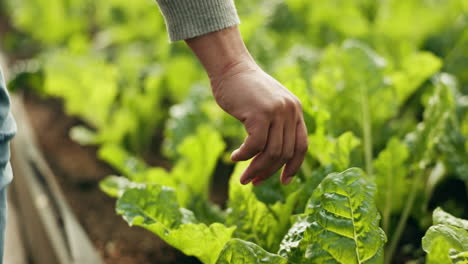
column 384, row 88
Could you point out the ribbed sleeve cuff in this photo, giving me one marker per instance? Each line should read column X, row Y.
column 191, row 18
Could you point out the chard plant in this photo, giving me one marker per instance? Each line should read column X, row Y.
column 384, row 91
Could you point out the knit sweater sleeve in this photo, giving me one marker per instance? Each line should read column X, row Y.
column 191, row 18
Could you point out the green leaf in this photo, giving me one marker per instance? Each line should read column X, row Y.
column 452, row 143
column 413, row 71
column 122, row 123
column 155, row 208
column 328, row 150
column 456, row 58
column 351, row 86
column 340, row 224
column 458, row 257
column 149, row 205
column 440, row 217
column 83, row 135
column 162, row 177
column 261, row 222
column 391, row 178
column 422, row 146
column 440, row 240
column 199, row 156
column 179, row 87
column 293, row 243
column 238, row 251
column 115, row 186
column 184, row 118
column 428, row 134
column 60, row 19
column 85, row 95
column 447, row 240
column 402, row 27
column 349, row 19
column 156, row 175
column 121, row 160
column 190, row 176
column 198, row 109
column 333, row 151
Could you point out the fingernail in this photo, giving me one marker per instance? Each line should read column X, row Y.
column 233, row 155
column 246, row 181
column 256, row 183
column 288, row 179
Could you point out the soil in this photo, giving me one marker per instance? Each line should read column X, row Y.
column 79, row 172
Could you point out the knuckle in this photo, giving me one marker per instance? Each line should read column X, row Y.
column 287, row 156
column 280, row 106
column 257, row 148
column 294, row 105
column 269, row 110
column 298, row 105
column 289, row 102
column 273, row 155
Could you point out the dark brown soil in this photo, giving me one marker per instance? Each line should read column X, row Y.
column 78, row 171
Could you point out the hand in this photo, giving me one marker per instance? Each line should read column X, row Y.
column 272, row 116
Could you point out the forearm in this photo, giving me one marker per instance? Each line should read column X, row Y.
column 271, row 114
column 220, row 51
column 210, row 29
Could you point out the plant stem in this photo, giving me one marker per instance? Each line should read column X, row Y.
column 388, row 204
column 367, row 133
column 354, row 232
column 451, row 54
column 403, row 219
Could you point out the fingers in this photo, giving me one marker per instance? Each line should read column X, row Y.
column 255, row 141
column 264, row 175
column 287, row 152
column 270, row 156
column 289, row 144
column 286, row 145
column 300, row 150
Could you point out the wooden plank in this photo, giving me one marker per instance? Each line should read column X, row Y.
column 3, row 65
column 53, row 235
column 14, row 248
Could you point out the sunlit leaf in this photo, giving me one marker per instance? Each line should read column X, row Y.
column 340, row 224
column 447, row 240
column 239, row 251
column 155, row 208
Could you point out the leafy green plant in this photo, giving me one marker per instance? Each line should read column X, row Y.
column 190, row 176
column 447, row 240
column 340, row 223
column 350, row 227
column 383, row 86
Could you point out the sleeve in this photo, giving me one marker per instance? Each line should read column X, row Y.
column 191, row 18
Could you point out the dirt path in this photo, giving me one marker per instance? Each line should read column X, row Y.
column 79, row 172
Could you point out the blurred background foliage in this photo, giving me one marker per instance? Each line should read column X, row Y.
column 384, row 85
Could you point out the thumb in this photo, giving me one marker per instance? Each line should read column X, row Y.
column 253, row 144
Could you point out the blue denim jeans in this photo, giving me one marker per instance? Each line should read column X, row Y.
column 3, row 218
column 7, row 131
column 5, row 177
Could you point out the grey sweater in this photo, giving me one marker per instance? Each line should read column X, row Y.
column 191, row 18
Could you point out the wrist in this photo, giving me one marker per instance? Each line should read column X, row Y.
column 221, row 52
